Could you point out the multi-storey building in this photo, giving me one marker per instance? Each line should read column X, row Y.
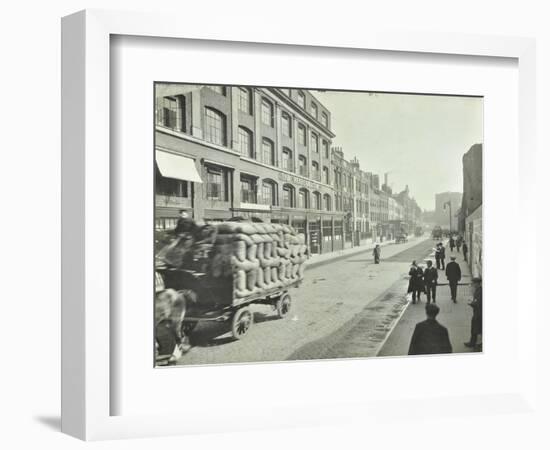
column 227, row 151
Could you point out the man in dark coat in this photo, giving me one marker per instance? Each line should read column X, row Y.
column 442, row 255
column 416, row 282
column 430, row 281
column 452, row 243
column 453, row 275
column 465, row 251
column 185, row 223
column 476, row 326
column 430, row 337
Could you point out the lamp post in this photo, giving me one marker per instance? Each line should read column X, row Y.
column 450, row 215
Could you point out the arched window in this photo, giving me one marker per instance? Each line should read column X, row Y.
column 286, row 124
column 316, row 200
column 303, row 198
column 267, row 112
column 315, row 170
column 268, row 151
column 269, row 192
column 288, row 163
column 326, row 179
column 245, row 100
column 326, row 149
column 301, row 134
column 314, row 110
column 314, row 143
column 326, row 202
column 302, row 99
column 289, row 200
column 245, row 141
column 302, row 165
column 214, row 126
column 324, row 119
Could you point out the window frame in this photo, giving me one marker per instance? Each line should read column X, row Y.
column 223, row 121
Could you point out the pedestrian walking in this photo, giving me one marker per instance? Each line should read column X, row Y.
column 465, row 251
column 437, row 255
column 476, row 324
column 458, row 243
column 453, row 274
column 416, row 282
column 442, row 255
column 430, row 337
column 430, row 281
column 452, row 243
column 376, row 253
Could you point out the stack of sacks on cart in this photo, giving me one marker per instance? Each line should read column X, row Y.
column 259, row 256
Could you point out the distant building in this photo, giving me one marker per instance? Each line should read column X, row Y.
column 471, row 217
column 441, row 214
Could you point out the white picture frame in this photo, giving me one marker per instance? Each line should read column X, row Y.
column 86, row 216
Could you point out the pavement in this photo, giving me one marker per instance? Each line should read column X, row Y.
column 455, row 316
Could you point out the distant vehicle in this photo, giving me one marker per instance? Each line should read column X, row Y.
column 418, row 231
column 401, row 238
column 437, row 232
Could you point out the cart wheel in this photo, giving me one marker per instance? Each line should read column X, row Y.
column 283, row 305
column 242, row 321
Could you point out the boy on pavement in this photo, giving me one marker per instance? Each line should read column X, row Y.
column 430, row 337
column 454, row 275
column 430, row 281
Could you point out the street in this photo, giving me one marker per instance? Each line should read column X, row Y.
column 344, row 308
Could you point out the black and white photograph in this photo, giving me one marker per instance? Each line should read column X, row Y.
column 300, row 224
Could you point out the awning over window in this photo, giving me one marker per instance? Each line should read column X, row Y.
column 176, row 166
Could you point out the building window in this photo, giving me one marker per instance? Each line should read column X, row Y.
column 219, row 89
column 314, row 143
column 169, row 187
column 269, row 194
column 325, row 175
column 314, row 110
column 286, row 125
column 315, row 170
column 245, row 103
column 303, row 199
column 286, row 91
column 326, row 202
column 267, row 112
column 302, row 165
column 215, row 185
column 268, row 150
column 316, row 200
column 287, row 159
column 245, row 142
column 301, row 99
column 248, row 190
column 326, row 149
column 324, row 119
column 288, row 196
column 214, row 127
column 301, row 134
column 171, row 112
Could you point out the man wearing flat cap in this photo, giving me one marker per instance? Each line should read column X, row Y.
column 430, row 337
column 430, row 281
column 476, row 304
column 453, row 274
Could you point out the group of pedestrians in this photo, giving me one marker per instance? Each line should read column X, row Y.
column 429, row 336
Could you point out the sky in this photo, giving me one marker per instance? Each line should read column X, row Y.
column 418, row 139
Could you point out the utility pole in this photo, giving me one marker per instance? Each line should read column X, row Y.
column 450, row 215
